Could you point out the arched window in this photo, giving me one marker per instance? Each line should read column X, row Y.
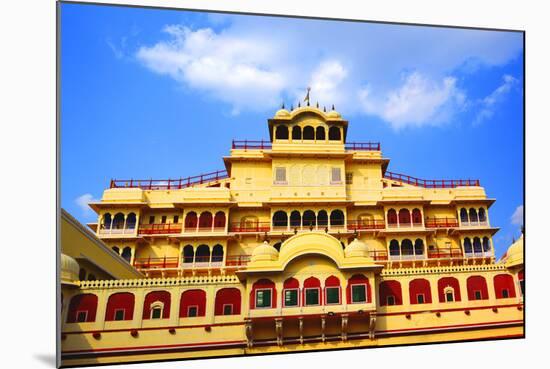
column 486, row 244
column 392, row 217
column 333, row 291
column 390, row 293
column 120, row 306
column 118, row 221
column 404, row 218
column 131, row 221
column 309, row 133
column 504, row 286
column 312, row 292
column 82, row 274
column 280, row 219
column 193, row 303
column 467, row 246
column 418, row 247
column 228, row 302
column 320, row 133
column 394, row 248
column 482, row 215
column 417, row 217
column 322, row 218
column 263, row 294
column 477, row 245
column 291, row 293
column 296, row 133
column 205, row 220
column 217, row 254
column 219, row 220
column 107, row 220
column 191, row 220
column 477, row 288
column 463, row 215
column 419, row 291
column 309, row 218
column 295, row 219
column 156, row 305
column 334, row 133
column 281, row 132
column 443, row 286
column 188, row 254
column 473, row 215
column 116, row 249
column 82, row 308
column 407, row 247
column 336, row 218
column 358, row 290
column 127, row 254
column 203, row 254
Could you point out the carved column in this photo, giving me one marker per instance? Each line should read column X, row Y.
column 344, row 327
column 301, row 325
column 279, row 331
column 248, row 332
column 323, row 325
column 372, row 325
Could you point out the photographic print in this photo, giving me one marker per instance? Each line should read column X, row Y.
column 242, row 184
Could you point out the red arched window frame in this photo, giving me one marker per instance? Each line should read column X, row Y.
column 312, row 283
column 193, row 299
column 152, row 297
column 358, row 279
column 477, row 287
column 219, row 220
column 390, row 288
column 445, row 282
column 84, row 305
column 260, row 285
column 120, row 302
column 416, row 216
column 205, row 220
column 404, row 217
column 420, row 287
column 333, row 282
column 228, row 297
column 392, row 217
column 191, row 220
column 502, row 283
column 291, row 284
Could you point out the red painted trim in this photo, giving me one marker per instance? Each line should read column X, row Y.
column 449, row 310
column 488, row 324
column 158, row 328
column 141, row 348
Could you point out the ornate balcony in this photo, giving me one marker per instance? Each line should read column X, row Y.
column 358, row 225
column 159, row 228
column 444, row 222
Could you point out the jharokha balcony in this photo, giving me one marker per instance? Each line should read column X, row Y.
column 192, row 264
column 443, row 222
column 267, row 145
column 160, row 228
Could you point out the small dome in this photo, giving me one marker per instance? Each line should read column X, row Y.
column 514, row 254
column 69, row 270
column 333, row 114
column 282, row 113
column 265, row 252
column 356, row 248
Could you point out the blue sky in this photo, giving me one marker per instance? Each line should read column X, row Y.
column 160, row 94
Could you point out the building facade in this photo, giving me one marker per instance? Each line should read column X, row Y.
column 304, row 242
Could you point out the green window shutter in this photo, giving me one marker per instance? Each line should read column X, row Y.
column 263, row 298
column 358, row 293
column 312, row 296
column 333, row 295
column 291, row 298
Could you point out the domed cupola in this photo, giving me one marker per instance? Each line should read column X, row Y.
column 264, row 252
column 69, row 270
column 282, row 113
column 356, row 249
column 514, row 254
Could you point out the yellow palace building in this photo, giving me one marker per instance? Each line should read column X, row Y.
column 304, row 242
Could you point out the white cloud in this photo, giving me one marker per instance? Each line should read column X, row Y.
column 234, row 70
column 401, row 75
column 418, row 101
column 490, row 103
column 517, row 217
column 83, row 201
